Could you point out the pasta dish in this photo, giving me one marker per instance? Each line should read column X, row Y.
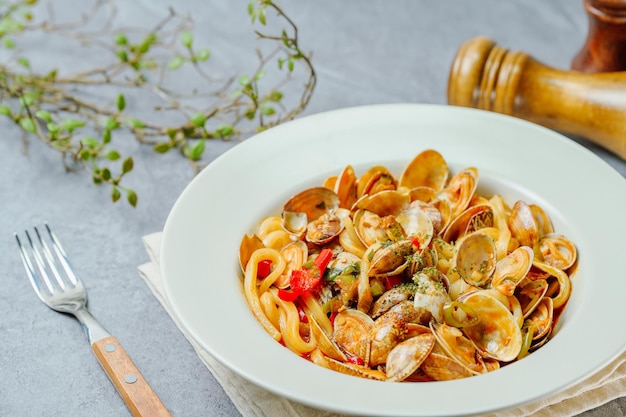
column 415, row 277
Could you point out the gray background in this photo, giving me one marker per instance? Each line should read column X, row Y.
column 365, row 52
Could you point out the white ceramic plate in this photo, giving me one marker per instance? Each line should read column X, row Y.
column 585, row 198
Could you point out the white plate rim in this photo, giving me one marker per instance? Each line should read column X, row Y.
column 532, row 146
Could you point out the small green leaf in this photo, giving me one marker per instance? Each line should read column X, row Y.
column 203, row 54
column 147, row 43
column 53, row 128
column 198, row 119
column 106, row 136
column 105, row 174
column 195, row 152
column 121, row 39
column 90, row 142
column 122, row 55
column 85, row 154
column 115, row 194
column 112, row 155
column 9, row 43
column 27, row 100
column 70, row 124
column 259, row 75
column 23, row 62
column 110, row 124
column 132, row 122
column 275, row 96
column 224, row 130
column 6, row 110
column 244, row 80
column 28, row 124
column 127, row 165
column 267, row 110
column 121, row 103
column 131, row 196
column 162, row 147
column 186, row 38
column 52, row 75
column 175, row 63
column 44, row 115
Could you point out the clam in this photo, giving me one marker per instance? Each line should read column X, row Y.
column 345, row 187
column 389, row 298
column 441, row 367
column 427, row 169
column 530, row 293
column 383, row 203
column 347, row 368
column 324, row 229
column 325, row 343
column 389, row 330
column 544, row 224
column 377, row 178
column 541, row 318
column 471, row 219
column 475, row 258
column 351, row 328
column 523, row 225
column 391, row 259
column 416, row 224
column 460, row 190
column 511, row 269
column 404, row 359
column 369, row 227
column 422, row 193
column 295, row 222
column 497, row 334
column 249, row 243
column 557, row 250
column 295, row 254
column 458, row 347
column 314, row 202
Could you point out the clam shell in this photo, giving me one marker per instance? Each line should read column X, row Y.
column 497, row 334
column 427, row 169
column 407, row 356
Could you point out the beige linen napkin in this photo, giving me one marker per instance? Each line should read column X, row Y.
column 251, row 400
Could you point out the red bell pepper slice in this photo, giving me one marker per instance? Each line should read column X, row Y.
column 323, row 259
column 392, row 281
column 263, row 268
column 286, row 295
column 304, row 280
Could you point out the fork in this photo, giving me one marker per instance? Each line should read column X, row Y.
column 56, row 284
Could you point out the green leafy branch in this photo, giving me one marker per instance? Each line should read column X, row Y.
column 60, row 109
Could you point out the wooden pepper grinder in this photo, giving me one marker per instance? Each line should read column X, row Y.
column 605, row 47
column 489, row 77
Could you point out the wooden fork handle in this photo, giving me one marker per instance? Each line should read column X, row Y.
column 134, row 389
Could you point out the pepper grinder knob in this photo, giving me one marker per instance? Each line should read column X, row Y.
column 605, row 47
column 593, row 106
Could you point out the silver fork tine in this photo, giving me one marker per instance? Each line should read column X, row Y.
column 30, row 269
column 50, row 260
column 62, row 257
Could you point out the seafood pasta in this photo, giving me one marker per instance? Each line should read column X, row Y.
column 408, row 278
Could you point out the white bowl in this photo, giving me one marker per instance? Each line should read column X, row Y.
column 584, row 196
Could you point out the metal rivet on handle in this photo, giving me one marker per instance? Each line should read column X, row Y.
column 130, row 378
column 109, row 347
